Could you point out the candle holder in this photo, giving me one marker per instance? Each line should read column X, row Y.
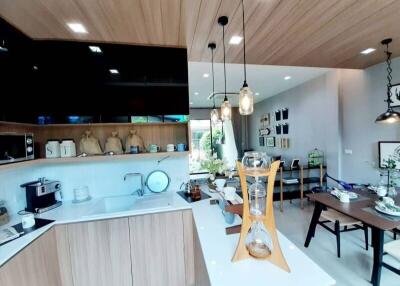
column 258, row 236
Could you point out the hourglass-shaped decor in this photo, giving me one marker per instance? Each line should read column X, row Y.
column 258, row 237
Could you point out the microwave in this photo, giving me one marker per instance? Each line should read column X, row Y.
column 16, row 147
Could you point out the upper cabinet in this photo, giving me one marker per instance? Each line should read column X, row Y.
column 61, row 78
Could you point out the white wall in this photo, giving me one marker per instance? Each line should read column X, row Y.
column 102, row 178
column 362, row 94
column 313, row 120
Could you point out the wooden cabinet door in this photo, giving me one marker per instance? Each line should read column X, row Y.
column 99, row 252
column 157, row 249
column 36, row 265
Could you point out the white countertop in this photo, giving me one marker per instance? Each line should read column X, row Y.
column 217, row 247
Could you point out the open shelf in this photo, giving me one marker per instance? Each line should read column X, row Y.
column 91, row 159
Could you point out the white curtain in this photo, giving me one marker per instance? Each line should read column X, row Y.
column 229, row 148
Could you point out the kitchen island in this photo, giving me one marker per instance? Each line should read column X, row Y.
column 212, row 249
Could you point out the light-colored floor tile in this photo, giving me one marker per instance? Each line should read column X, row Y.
column 354, row 266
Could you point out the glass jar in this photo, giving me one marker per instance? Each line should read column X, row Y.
column 255, row 161
column 258, row 240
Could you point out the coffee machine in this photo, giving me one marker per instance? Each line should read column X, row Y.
column 41, row 195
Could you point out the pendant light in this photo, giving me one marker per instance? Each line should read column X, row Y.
column 226, row 108
column 214, row 116
column 246, row 98
column 390, row 116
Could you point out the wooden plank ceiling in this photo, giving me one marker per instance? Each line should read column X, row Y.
column 321, row 33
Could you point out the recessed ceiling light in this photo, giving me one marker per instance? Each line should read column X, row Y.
column 191, row 103
column 257, row 93
column 235, row 40
column 114, row 71
column 368, row 51
column 77, row 28
column 196, row 93
column 35, row 68
column 206, row 75
column 95, row 49
column 287, row 77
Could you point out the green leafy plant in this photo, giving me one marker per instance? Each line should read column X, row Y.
column 214, row 165
column 205, row 141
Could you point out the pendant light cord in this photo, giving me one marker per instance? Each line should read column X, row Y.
column 244, row 49
column 212, row 70
column 389, row 75
column 223, row 44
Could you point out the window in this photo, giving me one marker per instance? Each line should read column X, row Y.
column 201, row 143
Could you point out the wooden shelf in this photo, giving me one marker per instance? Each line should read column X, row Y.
column 91, row 159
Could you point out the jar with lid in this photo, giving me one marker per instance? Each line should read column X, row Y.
column 4, row 217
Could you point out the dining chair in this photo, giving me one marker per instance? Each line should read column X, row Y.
column 341, row 224
column 395, row 232
column 393, row 249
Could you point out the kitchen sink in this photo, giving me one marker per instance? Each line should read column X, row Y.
column 119, row 204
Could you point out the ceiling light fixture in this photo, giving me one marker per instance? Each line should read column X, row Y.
column 226, row 108
column 246, row 98
column 235, row 40
column 390, row 116
column 214, row 116
column 95, row 49
column 77, row 28
column 196, row 93
column 368, row 51
column 257, row 93
column 206, row 75
column 287, row 77
column 114, row 71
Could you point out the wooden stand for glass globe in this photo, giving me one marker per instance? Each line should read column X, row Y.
column 276, row 257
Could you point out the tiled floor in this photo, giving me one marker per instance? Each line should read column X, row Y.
column 353, row 268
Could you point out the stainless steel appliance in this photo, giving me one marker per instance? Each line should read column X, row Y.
column 15, row 147
column 41, row 195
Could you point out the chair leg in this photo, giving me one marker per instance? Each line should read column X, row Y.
column 337, row 233
column 366, row 236
column 394, row 235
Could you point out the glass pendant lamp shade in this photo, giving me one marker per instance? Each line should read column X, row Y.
column 214, row 116
column 246, row 101
column 226, row 110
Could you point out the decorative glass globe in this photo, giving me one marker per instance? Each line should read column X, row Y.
column 258, row 241
column 214, row 116
column 246, row 101
column 257, row 198
column 226, row 110
column 255, row 161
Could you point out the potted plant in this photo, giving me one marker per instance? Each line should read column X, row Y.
column 214, row 166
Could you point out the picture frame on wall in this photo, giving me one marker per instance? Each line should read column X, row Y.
column 395, row 89
column 261, row 141
column 278, row 129
column 285, row 113
column 278, row 115
column 388, row 150
column 270, row 141
column 285, row 128
column 285, row 143
column 264, row 132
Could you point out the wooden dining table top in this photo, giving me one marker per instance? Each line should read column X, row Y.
column 355, row 208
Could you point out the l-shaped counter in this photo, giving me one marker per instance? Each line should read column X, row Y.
column 216, row 247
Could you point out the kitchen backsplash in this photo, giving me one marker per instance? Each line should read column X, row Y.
column 102, row 178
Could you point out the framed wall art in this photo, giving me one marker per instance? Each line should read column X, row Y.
column 261, row 141
column 389, row 150
column 278, row 115
column 285, row 114
column 395, row 89
column 270, row 141
column 285, row 128
column 278, row 129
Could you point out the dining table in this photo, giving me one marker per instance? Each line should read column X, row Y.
column 362, row 209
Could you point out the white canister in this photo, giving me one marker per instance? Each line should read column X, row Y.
column 28, row 220
column 53, row 149
column 68, row 148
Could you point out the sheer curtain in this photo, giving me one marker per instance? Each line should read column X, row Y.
column 230, row 152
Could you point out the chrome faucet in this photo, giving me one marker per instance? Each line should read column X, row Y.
column 139, row 191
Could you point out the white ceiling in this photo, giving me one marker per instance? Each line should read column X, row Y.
column 263, row 79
